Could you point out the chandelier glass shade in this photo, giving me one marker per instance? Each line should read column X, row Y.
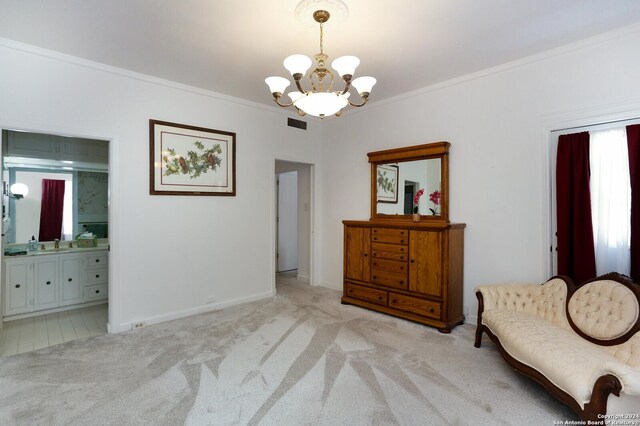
column 321, row 100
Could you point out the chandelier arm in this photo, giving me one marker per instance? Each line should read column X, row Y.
column 365, row 98
column 276, row 98
column 347, row 80
column 298, row 85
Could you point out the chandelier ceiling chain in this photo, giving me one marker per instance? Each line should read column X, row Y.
column 321, row 102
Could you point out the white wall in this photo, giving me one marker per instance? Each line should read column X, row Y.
column 168, row 253
column 496, row 124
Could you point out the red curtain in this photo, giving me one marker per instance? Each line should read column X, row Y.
column 576, row 252
column 633, row 143
column 51, row 209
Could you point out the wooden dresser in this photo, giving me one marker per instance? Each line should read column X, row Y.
column 412, row 270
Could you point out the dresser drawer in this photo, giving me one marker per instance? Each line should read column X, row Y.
column 98, row 260
column 95, row 292
column 415, row 305
column 388, row 265
column 389, row 251
column 379, row 297
column 392, row 236
column 97, row 276
column 389, row 279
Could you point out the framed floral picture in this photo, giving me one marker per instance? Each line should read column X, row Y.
column 387, row 181
column 190, row 160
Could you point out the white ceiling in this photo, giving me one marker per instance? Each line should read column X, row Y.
column 230, row 46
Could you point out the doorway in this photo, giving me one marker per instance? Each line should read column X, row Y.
column 293, row 200
column 62, row 293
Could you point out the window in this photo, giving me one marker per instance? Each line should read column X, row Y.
column 610, row 199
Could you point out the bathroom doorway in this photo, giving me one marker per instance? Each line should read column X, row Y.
column 55, row 230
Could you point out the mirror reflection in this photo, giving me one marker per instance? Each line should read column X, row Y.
column 66, row 182
column 398, row 184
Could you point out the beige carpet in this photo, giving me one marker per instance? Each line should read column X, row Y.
column 300, row 358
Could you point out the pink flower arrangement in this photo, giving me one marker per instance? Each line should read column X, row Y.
column 435, row 197
column 416, row 200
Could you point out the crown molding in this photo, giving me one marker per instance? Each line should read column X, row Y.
column 538, row 57
column 98, row 66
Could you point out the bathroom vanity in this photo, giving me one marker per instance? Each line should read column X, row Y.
column 53, row 280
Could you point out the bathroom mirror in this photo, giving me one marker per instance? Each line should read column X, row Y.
column 79, row 165
column 397, row 175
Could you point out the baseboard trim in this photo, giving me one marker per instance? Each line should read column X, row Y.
column 332, row 286
column 128, row 326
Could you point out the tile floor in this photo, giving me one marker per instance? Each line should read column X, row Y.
column 47, row 330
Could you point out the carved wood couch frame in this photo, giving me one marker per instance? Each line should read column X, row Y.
column 581, row 343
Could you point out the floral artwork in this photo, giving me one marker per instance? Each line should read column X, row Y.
column 435, row 198
column 189, row 160
column 387, row 183
column 195, row 163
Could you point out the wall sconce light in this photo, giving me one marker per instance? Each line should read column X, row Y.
column 17, row 191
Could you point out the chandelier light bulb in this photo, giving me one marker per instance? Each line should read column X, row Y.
column 364, row 84
column 322, row 104
column 345, row 65
column 277, row 84
column 297, row 64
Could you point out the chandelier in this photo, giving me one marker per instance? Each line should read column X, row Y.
column 321, row 100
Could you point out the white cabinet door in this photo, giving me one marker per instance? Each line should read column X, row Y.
column 33, row 145
column 45, row 283
column 76, row 149
column 17, row 287
column 70, row 279
column 101, row 152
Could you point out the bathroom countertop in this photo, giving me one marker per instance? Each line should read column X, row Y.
column 64, row 248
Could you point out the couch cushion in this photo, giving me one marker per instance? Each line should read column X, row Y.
column 567, row 360
column 547, row 301
column 604, row 309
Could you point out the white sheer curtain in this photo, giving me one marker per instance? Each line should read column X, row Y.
column 610, row 199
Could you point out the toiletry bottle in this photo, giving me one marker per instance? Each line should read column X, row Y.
column 33, row 243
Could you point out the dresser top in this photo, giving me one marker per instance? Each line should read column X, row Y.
column 404, row 224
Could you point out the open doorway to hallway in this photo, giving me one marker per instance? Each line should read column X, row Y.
column 293, row 220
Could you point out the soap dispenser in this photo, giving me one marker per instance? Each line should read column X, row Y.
column 33, row 243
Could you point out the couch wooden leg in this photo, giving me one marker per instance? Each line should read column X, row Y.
column 478, row 341
column 479, row 327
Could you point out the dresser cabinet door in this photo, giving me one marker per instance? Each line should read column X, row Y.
column 357, row 249
column 425, row 262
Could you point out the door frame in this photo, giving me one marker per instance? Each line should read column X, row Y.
column 112, row 211
column 312, row 215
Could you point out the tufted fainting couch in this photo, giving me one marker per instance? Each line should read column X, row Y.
column 581, row 343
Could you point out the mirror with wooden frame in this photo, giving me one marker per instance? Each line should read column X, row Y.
column 398, row 174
